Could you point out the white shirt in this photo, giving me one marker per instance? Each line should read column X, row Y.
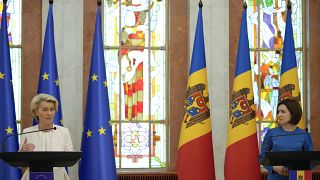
column 54, row 140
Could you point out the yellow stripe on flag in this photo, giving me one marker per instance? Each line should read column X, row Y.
column 247, row 126
column 300, row 174
column 289, row 88
column 201, row 125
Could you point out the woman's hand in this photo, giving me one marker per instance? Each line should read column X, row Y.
column 27, row 147
column 281, row 170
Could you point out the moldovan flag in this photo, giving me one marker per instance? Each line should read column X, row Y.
column 300, row 175
column 195, row 154
column 241, row 161
column 289, row 82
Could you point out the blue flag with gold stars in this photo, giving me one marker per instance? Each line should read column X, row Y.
column 8, row 124
column 97, row 161
column 48, row 77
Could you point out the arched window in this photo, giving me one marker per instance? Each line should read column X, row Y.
column 266, row 28
column 135, row 35
column 14, row 16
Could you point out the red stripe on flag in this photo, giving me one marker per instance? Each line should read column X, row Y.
column 242, row 160
column 308, row 175
column 195, row 160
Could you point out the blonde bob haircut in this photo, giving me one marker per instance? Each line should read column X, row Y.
column 36, row 100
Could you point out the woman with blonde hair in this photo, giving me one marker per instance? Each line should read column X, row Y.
column 43, row 109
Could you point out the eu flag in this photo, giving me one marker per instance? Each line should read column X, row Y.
column 8, row 124
column 97, row 160
column 48, row 77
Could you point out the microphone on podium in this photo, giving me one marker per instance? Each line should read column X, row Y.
column 18, row 134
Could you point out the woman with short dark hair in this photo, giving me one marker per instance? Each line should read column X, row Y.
column 286, row 137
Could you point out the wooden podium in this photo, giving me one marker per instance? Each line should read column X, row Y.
column 294, row 160
column 41, row 161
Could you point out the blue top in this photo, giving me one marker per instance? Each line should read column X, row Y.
column 277, row 139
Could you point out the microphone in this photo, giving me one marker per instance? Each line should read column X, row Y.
column 18, row 134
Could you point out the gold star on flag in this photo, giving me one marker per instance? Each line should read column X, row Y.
column 45, row 76
column 105, row 83
column 89, row 133
column 94, row 77
column 57, row 82
column 61, row 121
column 102, row 131
column 1, row 75
column 9, row 130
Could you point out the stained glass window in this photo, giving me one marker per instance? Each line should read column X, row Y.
column 14, row 34
column 266, row 28
column 135, row 54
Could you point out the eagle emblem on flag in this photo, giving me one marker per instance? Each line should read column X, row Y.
column 285, row 92
column 195, row 105
column 241, row 110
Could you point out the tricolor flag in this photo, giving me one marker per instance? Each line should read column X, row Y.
column 48, row 77
column 8, row 124
column 289, row 82
column 97, row 161
column 195, row 154
column 241, row 160
column 300, row 175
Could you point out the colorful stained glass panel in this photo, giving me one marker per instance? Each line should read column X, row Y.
column 158, row 82
column 14, row 20
column 252, row 23
column 158, row 23
column 116, row 140
column 135, row 145
column 297, row 22
column 135, row 24
column 111, row 22
column 135, row 53
column 134, row 68
column 15, row 54
column 158, row 146
column 264, row 129
column 299, row 56
column 113, row 82
column 272, row 21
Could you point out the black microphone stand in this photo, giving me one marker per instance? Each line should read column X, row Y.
column 5, row 138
